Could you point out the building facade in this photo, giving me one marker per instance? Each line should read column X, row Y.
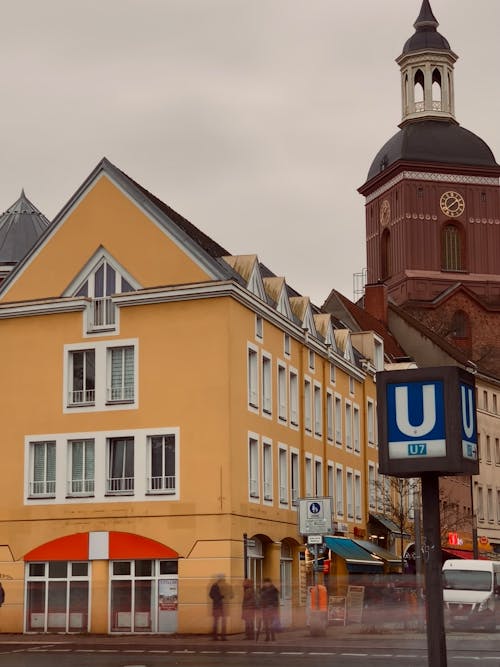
column 433, row 251
column 167, row 405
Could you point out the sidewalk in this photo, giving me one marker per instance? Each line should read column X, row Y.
column 359, row 635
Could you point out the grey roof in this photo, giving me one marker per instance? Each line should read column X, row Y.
column 433, row 141
column 426, row 36
column 20, row 228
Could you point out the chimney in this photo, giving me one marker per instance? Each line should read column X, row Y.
column 376, row 301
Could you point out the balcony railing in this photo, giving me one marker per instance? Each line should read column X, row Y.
column 161, row 484
column 42, row 488
column 120, row 484
column 125, row 393
column 254, row 488
column 103, row 313
column 81, row 396
column 80, row 487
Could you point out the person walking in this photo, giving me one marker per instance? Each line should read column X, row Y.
column 248, row 608
column 217, row 594
column 269, row 602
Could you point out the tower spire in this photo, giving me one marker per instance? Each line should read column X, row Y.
column 426, row 66
column 426, row 18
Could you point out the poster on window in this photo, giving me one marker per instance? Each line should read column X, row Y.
column 167, row 594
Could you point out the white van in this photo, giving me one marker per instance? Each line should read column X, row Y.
column 471, row 593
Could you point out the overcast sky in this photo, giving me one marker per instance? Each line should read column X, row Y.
column 255, row 119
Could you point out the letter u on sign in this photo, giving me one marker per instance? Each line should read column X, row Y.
column 468, row 422
column 428, row 411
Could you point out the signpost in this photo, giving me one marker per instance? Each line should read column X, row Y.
column 427, row 428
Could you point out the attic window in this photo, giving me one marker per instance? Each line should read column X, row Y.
column 104, row 281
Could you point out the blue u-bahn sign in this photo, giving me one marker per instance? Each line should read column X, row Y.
column 427, row 421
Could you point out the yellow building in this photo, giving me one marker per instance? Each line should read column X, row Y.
column 161, row 400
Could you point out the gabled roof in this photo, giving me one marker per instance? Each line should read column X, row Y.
column 357, row 319
column 206, row 252
column 21, row 226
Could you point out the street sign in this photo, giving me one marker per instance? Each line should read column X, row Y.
column 415, row 419
column 427, row 422
column 315, row 516
column 314, row 539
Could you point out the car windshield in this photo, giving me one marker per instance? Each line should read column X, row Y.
column 469, row 580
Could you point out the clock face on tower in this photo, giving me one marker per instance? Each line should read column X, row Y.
column 452, row 204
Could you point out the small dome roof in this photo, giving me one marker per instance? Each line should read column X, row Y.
column 433, row 141
column 426, row 36
column 20, row 228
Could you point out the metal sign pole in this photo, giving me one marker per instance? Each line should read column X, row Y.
column 436, row 641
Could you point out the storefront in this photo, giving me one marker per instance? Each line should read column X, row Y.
column 101, row 582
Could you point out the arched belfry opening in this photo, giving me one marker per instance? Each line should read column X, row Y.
column 436, row 90
column 418, row 90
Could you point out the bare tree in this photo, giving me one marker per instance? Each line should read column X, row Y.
column 396, row 496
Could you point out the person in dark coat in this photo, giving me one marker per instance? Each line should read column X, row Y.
column 269, row 602
column 248, row 608
column 217, row 594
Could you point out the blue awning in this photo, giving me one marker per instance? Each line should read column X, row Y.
column 387, row 556
column 357, row 559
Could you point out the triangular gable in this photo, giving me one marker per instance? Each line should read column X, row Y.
column 324, row 327
column 276, row 291
column 100, row 257
column 301, row 308
column 247, row 266
column 344, row 344
column 197, row 255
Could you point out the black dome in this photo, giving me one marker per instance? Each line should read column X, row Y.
column 426, row 40
column 433, row 141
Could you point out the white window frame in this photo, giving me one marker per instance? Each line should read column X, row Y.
column 308, row 475
column 102, row 350
column 84, row 396
column 318, row 409
column 267, row 470
column 294, row 476
column 311, row 360
column 358, row 496
column 47, row 485
column 356, row 429
column 308, row 405
column 372, row 486
column 253, row 377
column 267, row 384
column 287, row 345
column 349, row 490
column 282, row 384
column 283, row 474
column 339, row 490
column 120, row 485
column 162, row 484
column 338, row 420
column 318, row 477
column 101, row 440
column 259, row 328
column 293, row 384
column 253, row 468
column 126, row 391
column 348, row 425
column 330, row 431
column 370, row 421
column 330, row 480
column 86, row 485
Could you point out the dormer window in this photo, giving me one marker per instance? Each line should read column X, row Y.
column 99, row 286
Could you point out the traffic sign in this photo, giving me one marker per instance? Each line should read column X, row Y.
column 315, row 516
column 314, row 539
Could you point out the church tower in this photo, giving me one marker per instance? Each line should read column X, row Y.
column 433, row 203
